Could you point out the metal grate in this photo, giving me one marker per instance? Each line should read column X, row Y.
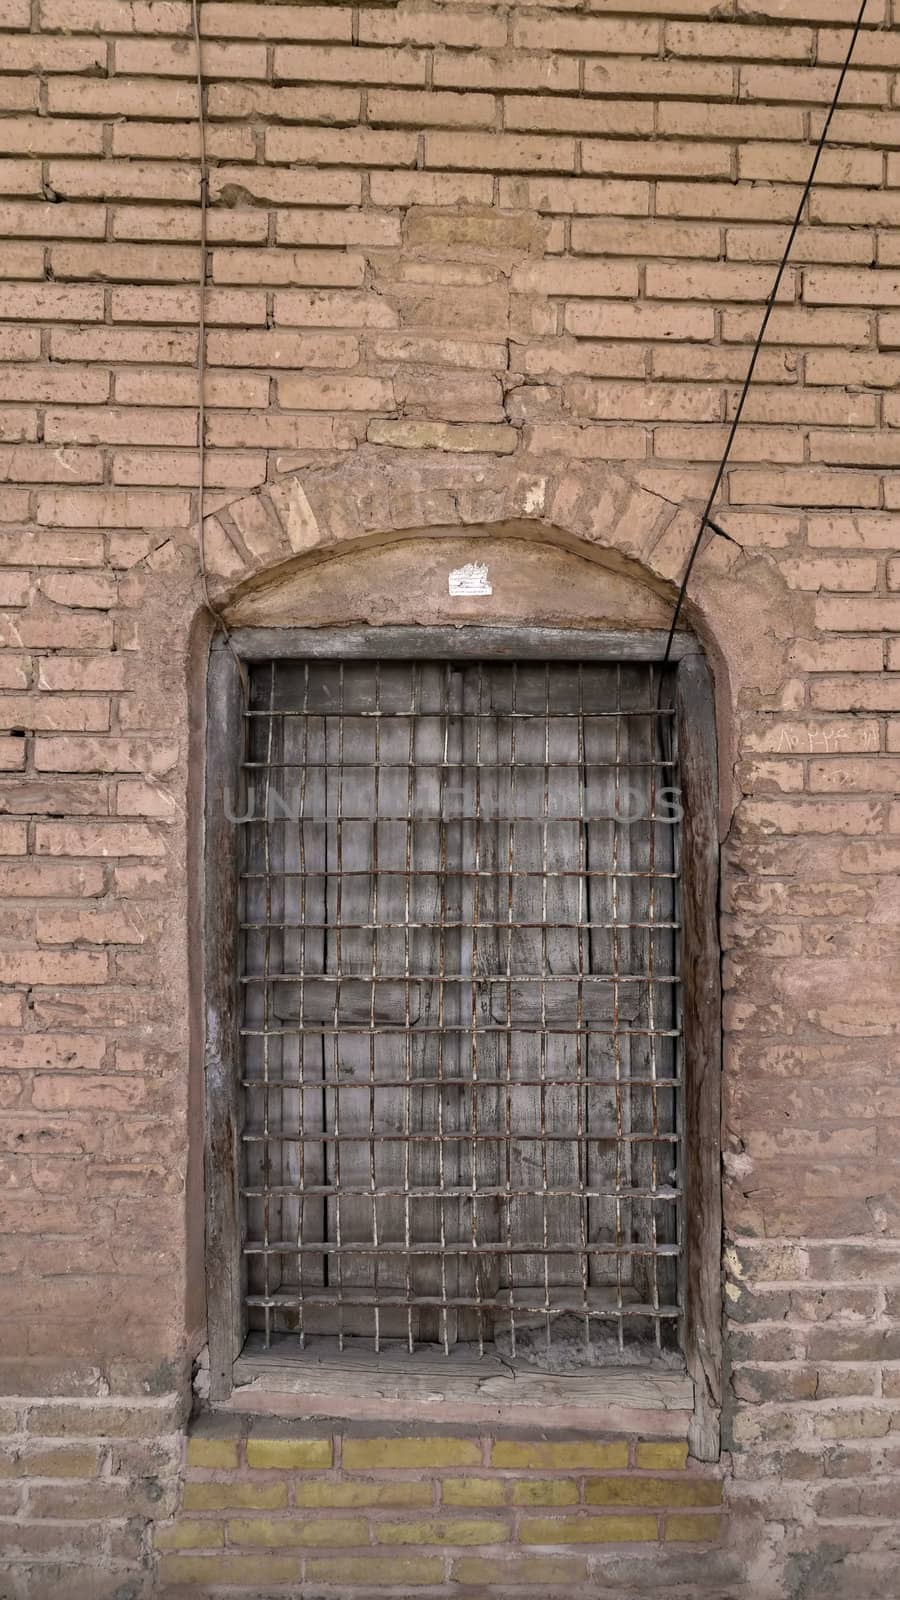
column 460, row 1034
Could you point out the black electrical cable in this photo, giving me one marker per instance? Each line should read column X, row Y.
column 706, row 521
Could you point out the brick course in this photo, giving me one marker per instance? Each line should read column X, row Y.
column 473, row 267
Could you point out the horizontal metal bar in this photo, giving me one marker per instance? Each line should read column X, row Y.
column 310, row 1085
column 427, row 764
column 420, row 818
column 434, row 1247
column 482, row 873
column 264, row 714
column 506, row 923
column 314, row 1030
column 358, row 1297
column 474, row 979
column 520, row 1136
column 467, row 643
column 484, row 1192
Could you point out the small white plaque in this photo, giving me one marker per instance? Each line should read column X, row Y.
column 470, row 579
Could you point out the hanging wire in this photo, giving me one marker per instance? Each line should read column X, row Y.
column 706, row 519
column 213, row 610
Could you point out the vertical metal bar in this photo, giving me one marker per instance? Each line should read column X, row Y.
column 373, row 917
column 407, row 1113
column 442, row 960
column 582, row 1043
column 545, row 813
column 338, row 978
column 301, row 1043
column 617, row 1042
column 267, row 961
column 651, row 1018
column 476, row 902
column 510, row 882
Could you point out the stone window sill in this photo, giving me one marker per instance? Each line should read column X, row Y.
column 462, row 1388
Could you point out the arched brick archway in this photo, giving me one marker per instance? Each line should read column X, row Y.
column 738, row 603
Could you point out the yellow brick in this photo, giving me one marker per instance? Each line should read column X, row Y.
column 249, row 1570
column 396, row 1492
column 301, row 1454
column 189, row 1536
column 565, row 1454
column 433, row 1452
column 318, row 1532
column 520, row 1569
column 663, row 1457
column 443, row 1530
column 545, row 1492
column 474, row 1491
column 693, row 1528
column 636, row 1491
column 240, row 1496
column 212, row 1452
column 588, row 1530
column 374, row 1571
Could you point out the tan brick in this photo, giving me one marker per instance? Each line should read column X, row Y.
column 278, row 349
column 640, row 1491
column 663, row 1455
column 350, row 147
column 375, row 1570
column 550, row 73
column 229, row 1569
column 273, row 22
column 186, row 1535
column 555, row 114
column 128, row 180
column 429, row 26
column 656, row 159
column 405, row 107
column 34, row 1051
column 640, row 321
column 498, row 152
column 565, row 1455
column 587, row 1530
column 317, row 1532
column 545, row 1492
column 445, row 1531
column 211, row 1452
column 408, row 1454
column 804, row 488
column 294, row 1454
column 233, row 1495
column 323, row 1493
column 617, row 36
column 492, row 1491
column 63, row 1462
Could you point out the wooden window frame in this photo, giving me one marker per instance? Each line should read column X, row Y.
column 700, row 957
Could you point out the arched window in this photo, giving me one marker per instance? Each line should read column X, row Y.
column 463, row 992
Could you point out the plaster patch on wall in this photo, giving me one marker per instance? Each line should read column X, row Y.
column 470, row 579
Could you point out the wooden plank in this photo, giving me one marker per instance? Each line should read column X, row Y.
column 224, row 1267
column 466, row 643
column 433, row 1377
column 702, row 1024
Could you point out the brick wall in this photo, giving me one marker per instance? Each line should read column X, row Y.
column 475, row 266
column 421, row 1511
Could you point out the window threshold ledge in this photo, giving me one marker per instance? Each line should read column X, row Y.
column 428, row 1386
